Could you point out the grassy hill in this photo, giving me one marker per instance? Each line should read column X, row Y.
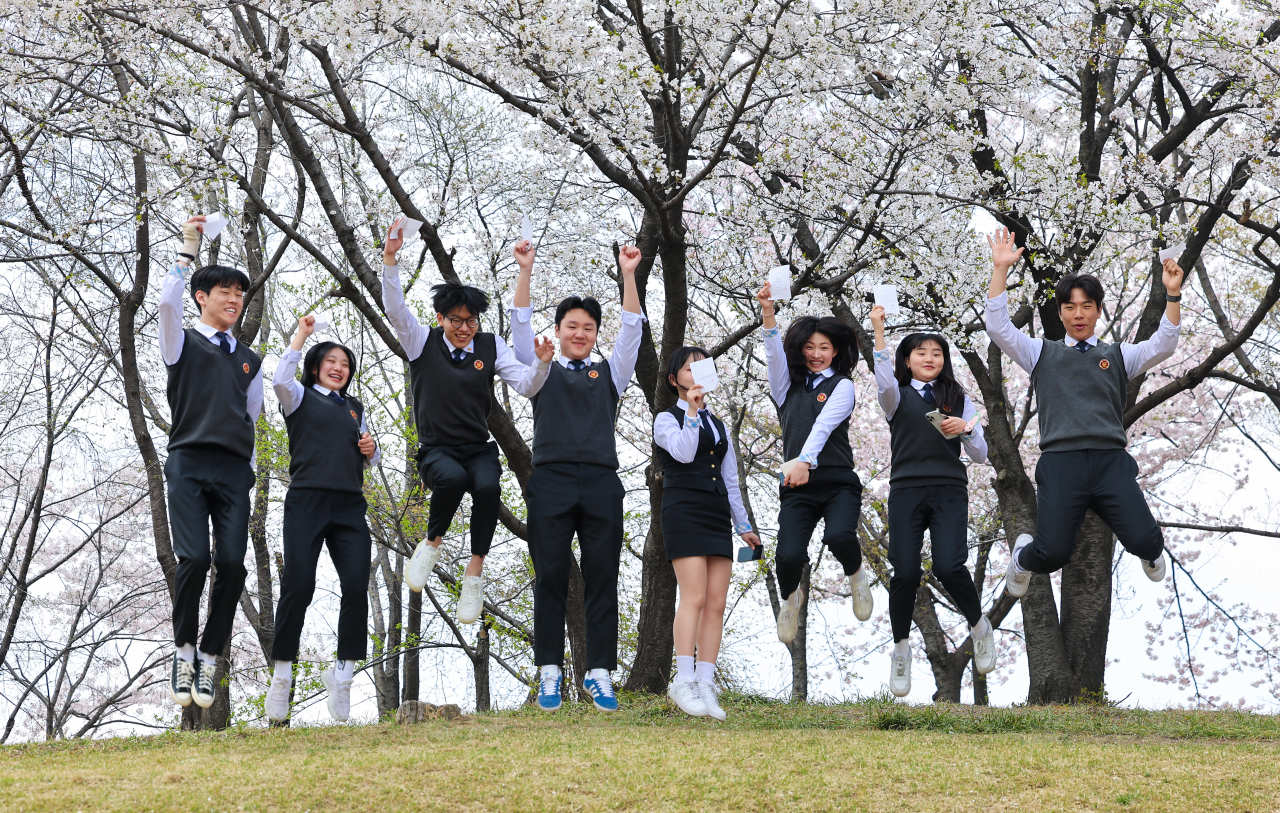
column 768, row 757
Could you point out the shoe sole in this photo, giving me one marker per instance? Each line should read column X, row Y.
column 603, row 708
column 472, row 619
column 550, row 708
column 679, row 705
column 1012, row 587
column 179, row 700
column 897, row 693
column 195, row 696
column 329, row 686
column 863, row 607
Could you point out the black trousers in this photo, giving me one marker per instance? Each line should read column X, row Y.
column 832, row 495
column 314, row 517
column 452, row 471
column 944, row 511
column 1101, row 480
column 565, row 499
column 207, row 485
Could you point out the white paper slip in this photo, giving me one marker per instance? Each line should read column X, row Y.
column 526, row 230
column 704, row 374
column 886, row 296
column 322, row 322
column 408, row 229
column 780, row 282
column 213, row 225
column 1172, row 253
column 787, row 467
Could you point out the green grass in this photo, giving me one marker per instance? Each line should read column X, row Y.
column 870, row 755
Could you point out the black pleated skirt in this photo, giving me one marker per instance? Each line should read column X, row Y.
column 696, row 523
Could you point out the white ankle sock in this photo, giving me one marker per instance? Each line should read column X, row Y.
column 982, row 627
column 705, row 672
column 284, row 669
column 684, row 668
column 187, row 652
column 344, row 670
column 601, row 675
column 207, row 659
column 551, row 671
column 902, row 648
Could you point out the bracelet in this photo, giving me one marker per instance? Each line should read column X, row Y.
column 1177, row 298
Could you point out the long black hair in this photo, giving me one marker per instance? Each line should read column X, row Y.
column 802, row 329
column 947, row 392
column 311, row 364
column 678, row 360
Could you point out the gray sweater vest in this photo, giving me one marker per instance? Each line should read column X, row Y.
column 706, row 471
column 324, row 439
column 574, row 415
column 1080, row 397
column 799, row 412
column 920, row 455
column 452, row 399
column 208, row 392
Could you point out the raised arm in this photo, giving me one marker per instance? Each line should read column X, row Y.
column 886, row 384
column 1140, row 357
column 173, row 289
column 522, row 342
column 411, row 333
column 622, row 364
column 285, row 381
column 1024, row 350
column 775, row 355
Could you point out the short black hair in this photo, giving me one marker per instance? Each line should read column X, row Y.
column 311, row 364
column 209, row 277
column 842, row 339
column 449, row 294
column 1088, row 283
column 678, row 360
column 948, row 393
column 586, row 303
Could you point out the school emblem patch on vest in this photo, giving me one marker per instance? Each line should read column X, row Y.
column 354, row 416
column 246, row 367
column 479, row 364
column 1104, row 364
column 822, row 396
column 594, row 374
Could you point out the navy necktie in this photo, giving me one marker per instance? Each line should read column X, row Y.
column 224, row 341
column 926, row 392
column 577, row 365
column 458, row 354
column 814, row 378
column 1083, row 347
column 335, row 396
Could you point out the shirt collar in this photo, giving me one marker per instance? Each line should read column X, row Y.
column 323, row 390
column 211, row 333
column 565, row 361
column 470, row 348
column 919, row 385
column 827, row 373
column 1092, row 341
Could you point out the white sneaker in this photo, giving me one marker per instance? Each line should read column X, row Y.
column 1155, row 570
column 900, row 675
column 1016, row 581
column 418, row 572
column 789, row 616
column 471, row 602
column 984, row 649
column 686, row 695
column 863, row 603
column 339, row 695
column 278, row 698
column 712, row 702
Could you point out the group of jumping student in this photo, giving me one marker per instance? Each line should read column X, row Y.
column 215, row 394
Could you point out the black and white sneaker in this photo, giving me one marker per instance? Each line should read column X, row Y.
column 202, row 692
column 181, row 677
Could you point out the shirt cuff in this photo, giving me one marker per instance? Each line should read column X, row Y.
column 629, row 318
column 177, row 269
column 742, row 528
column 1001, row 300
column 523, row 314
column 290, row 354
column 882, row 355
column 769, row 332
column 692, row 423
column 811, row 459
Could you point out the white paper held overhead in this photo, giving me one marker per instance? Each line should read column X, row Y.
column 704, row 374
column 780, row 282
column 1172, row 252
column 526, row 229
column 214, row 224
column 322, row 322
column 408, row 229
column 886, row 296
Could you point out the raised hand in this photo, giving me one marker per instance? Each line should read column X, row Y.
column 367, row 446
column 393, row 244
column 877, row 317
column 1173, row 276
column 1003, row 252
column 543, row 349
column 524, row 254
column 628, row 259
column 764, row 296
column 695, row 399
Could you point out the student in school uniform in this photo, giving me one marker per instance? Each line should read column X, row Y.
column 329, row 450
column 928, row 488
column 1081, row 384
column 451, row 371
column 701, row 509
column 809, row 380
column 575, row 488
column 215, row 395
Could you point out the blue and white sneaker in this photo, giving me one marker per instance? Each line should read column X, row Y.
column 600, row 687
column 549, row 690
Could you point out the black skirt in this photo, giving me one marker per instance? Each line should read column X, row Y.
column 696, row 523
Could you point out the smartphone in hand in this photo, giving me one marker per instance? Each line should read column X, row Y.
column 746, row 553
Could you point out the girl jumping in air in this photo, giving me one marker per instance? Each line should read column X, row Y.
column 928, row 487
column 700, row 504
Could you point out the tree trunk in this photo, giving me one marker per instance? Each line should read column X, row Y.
column 413, row 641
column 799, row 647
column 481, row 664
column 1086, row 606
column 651, row 671
column 575, row 619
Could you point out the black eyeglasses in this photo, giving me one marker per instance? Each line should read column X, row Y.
column 458, row 322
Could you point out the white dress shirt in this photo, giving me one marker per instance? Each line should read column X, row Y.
column 888, row 395
column 680, row 439
column 838, row 407
column 289, row 391
column 622, row 364
column 172, row 337
column 1025, row 351
column 524, row 377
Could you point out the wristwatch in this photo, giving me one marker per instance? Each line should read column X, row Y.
column 1173, row 298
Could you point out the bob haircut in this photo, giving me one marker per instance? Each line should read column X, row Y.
column 311, row 364
column 1088, row 283
column 209, row 277
column 448, row 295
column 802, row 329
column 947, row 392
column 586, row 303
column 679, row 359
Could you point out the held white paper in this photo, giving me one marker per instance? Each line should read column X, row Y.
column 1172, row 253
column 887, row 297
column 213, row 225
column 408, row 229
column 322, row 322
column 704, row 374
column 787, row 467
column 780, row 282
column 526, row 230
